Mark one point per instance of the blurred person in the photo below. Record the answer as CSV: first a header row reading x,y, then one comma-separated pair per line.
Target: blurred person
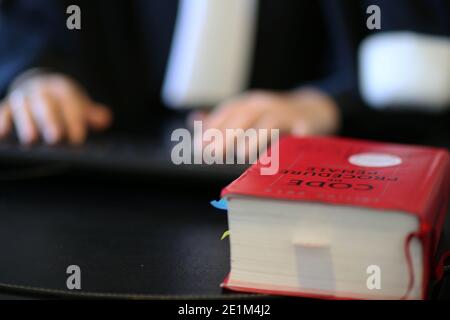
x,y
58,84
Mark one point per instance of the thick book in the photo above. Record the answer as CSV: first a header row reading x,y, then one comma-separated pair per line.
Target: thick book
x,y
341,219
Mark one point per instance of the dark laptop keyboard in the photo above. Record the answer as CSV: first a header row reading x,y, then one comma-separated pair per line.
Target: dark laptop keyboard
x,y
114,152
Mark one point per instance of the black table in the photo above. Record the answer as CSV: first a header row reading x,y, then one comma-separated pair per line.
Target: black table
x,y
129,235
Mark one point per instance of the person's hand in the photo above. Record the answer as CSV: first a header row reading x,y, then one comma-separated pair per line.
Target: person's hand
x,y
52,107
302,112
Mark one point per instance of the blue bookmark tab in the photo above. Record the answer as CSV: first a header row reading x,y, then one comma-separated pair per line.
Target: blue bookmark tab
x,y
221,204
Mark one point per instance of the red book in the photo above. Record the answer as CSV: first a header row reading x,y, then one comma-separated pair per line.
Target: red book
x,y
342,218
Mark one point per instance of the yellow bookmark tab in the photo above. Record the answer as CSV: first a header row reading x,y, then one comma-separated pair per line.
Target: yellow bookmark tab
x,y
225,234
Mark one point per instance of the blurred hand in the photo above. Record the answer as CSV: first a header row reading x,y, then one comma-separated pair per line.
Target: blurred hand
x,y
52,107
302,112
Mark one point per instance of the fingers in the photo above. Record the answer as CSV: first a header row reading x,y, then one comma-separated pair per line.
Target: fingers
x,y
243,117
301,128
267,122
5,120
74,106
221,114
80,113
52,106
40,113
76,130
47,116
195,116
242,113
23,118
98,116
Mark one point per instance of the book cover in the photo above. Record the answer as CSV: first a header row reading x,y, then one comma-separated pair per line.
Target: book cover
x,y
342,171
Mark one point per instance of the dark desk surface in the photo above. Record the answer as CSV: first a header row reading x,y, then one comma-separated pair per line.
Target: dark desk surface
x,y
140,236
129,236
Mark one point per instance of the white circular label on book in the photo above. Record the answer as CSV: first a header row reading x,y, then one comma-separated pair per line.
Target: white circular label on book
x,y
370,159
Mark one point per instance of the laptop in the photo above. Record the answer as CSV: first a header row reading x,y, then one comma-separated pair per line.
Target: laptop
x,y
147,153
